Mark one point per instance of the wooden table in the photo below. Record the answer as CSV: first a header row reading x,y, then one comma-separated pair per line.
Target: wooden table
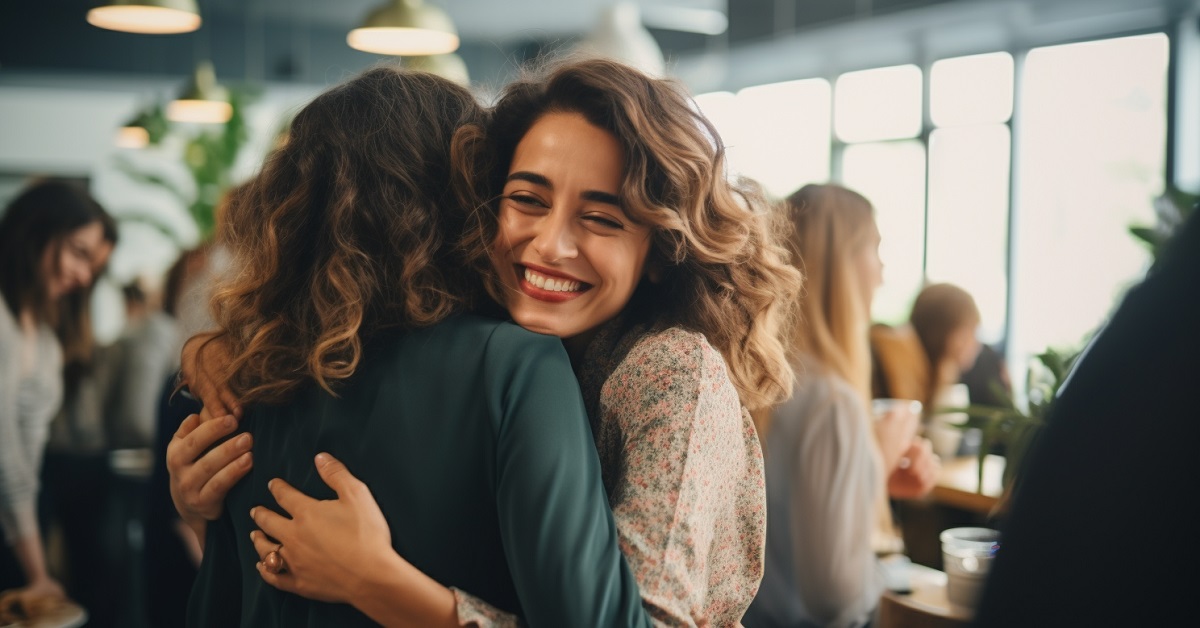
x,y
958,484
926,607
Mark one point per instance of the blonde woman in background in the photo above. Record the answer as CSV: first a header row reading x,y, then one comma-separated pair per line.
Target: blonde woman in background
x,y
830,466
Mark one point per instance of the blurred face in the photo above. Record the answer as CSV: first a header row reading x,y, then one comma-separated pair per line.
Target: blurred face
x,y
963,346
74,261
567,255
868,266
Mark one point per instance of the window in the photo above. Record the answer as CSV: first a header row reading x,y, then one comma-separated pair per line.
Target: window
x,y
786,133
1091,159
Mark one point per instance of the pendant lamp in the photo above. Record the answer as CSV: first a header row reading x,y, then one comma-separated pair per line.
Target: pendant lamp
x,y
405,27
155,17
203,100
147,127
620,35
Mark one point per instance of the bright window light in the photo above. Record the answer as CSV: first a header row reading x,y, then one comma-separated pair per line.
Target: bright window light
x,y
967,238
879,104
892,176
786,134
971,90
1091,159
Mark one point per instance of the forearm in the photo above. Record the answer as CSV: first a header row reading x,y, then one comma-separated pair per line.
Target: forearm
x,y
398,594
31,557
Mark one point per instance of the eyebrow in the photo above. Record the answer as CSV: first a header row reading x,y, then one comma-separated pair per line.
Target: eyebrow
x,y
590,195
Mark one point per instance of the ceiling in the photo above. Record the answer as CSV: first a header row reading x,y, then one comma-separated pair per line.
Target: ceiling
x,y
303,41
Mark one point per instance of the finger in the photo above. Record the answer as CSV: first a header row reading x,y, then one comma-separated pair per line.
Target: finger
x,y
271,523
192,438
190,423
262,544
281,581
290,499
222,455
337,476
231,403
224,478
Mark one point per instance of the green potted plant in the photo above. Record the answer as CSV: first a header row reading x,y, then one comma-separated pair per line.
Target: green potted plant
x,y
1008,427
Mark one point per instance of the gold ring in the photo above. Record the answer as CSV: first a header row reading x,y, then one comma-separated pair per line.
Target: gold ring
x,y
273,562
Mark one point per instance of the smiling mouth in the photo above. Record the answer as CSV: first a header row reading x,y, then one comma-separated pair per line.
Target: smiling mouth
x,y
546,287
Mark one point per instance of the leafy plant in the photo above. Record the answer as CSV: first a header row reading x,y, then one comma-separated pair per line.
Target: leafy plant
x,y
1011,428
1171,210
209,155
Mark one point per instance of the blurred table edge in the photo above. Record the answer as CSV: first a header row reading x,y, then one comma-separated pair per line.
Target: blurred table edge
x,y
68,615
958,483
928,600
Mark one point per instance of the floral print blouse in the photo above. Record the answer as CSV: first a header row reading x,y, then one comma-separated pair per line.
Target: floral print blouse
x,y
683,469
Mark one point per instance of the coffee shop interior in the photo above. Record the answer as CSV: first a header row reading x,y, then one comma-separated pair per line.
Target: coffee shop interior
x,y
1026,161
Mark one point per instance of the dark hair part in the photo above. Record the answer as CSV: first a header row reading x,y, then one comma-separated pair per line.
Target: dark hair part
x,y
350,229
716,245
41,217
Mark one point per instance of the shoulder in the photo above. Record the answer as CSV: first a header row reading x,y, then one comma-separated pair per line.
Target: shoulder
x,y
821,403
672,373
675,352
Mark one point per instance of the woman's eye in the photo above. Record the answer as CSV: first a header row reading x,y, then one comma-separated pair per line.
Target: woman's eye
x,y
526,199
604,221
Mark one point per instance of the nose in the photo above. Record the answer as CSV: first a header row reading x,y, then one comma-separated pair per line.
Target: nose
x,y
555,238
82,277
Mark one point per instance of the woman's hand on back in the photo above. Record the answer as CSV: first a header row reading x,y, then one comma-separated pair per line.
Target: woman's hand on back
x,y
201,473
325,544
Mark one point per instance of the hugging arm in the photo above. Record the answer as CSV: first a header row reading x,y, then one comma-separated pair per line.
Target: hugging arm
x,y
558,534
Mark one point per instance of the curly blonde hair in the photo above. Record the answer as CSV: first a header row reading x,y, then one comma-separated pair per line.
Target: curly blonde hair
x,y
349,230
723,270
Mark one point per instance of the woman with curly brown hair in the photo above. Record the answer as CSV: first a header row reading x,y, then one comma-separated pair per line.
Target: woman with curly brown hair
x,y
347,333
614,228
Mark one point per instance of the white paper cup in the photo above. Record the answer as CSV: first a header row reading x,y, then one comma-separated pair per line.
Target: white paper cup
x,y
883,406
967,555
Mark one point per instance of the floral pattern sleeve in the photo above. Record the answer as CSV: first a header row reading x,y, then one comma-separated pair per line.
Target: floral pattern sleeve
x,y
473,611
684,473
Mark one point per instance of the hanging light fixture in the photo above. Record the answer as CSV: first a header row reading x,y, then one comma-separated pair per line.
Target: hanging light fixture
x,y
203,100
620,35
154,17
147,127
405,27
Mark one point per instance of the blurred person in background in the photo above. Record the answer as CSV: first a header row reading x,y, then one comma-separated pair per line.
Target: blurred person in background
x,y
830,466
946,321
55,239
1097,531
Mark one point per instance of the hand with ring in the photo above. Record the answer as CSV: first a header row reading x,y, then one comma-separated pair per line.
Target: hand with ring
x,y
321,550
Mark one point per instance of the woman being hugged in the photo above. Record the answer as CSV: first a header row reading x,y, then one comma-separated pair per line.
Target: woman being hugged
x,y
612,227
668,370
54,240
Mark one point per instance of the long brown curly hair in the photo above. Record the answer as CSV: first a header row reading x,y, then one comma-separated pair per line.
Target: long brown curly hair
x,y
724,271
350,229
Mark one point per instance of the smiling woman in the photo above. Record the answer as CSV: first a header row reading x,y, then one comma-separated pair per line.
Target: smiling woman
x,y
567,254
54,240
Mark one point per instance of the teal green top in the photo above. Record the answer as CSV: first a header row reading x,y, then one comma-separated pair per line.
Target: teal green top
x,y
473,438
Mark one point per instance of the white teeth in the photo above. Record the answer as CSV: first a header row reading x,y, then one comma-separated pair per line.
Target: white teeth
x,y
551,285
